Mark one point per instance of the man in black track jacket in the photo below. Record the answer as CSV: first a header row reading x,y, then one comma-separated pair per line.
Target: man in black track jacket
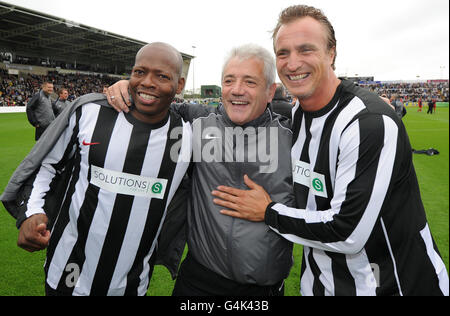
x,y
227,256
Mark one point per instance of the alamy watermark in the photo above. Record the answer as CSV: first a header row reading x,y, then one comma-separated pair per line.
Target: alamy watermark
x,y
73,276
231,144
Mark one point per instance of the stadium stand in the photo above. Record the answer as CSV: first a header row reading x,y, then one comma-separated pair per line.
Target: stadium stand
x,y
17,90
35,46
412,91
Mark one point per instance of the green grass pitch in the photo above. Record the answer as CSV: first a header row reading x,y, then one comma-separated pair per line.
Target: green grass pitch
x,y
21,273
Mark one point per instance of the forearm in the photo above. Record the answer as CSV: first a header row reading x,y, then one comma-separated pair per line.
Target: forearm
x,y
363,178
317,229
190,112
60,153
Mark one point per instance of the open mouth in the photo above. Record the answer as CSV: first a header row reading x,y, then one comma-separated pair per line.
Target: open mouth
x,y
146,99
146,96
239,103
298,77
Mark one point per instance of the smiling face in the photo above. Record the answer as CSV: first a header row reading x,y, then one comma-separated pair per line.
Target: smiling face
x,y
154,82
304,62
245,93
63,94
47,87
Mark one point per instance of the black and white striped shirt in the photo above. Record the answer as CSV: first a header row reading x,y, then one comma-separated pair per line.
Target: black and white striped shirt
x,y
123,175
359,211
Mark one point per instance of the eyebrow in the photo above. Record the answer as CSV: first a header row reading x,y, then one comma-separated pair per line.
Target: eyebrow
x,y
298,48
245,77
306,46
150,69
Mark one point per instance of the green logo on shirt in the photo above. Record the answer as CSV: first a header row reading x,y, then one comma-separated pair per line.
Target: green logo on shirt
x,y
157,188
318,185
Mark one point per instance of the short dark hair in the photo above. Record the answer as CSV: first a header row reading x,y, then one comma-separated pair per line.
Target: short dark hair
x,y
61,90
295,12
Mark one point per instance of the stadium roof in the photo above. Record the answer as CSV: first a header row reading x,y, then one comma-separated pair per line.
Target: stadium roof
x,y
33,34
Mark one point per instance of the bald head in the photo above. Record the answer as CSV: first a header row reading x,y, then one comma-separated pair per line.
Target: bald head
x,y
173,55
155,80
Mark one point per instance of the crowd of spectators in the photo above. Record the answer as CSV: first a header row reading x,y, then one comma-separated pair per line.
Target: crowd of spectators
x,y
18,90
413,91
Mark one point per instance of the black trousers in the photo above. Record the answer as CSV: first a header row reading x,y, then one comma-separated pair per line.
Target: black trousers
x,y
196,280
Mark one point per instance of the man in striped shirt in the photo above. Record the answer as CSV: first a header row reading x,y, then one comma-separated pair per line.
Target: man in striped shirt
x,y
121,175
359,213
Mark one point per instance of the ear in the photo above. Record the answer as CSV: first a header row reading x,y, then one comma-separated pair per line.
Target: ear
x,y
332,54
181,84
271,92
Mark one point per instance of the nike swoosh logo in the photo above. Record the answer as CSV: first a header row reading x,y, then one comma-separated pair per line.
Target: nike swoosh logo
x,y
89,144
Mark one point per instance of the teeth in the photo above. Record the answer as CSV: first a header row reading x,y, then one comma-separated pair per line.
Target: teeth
x,y
238,103
147,96
299,77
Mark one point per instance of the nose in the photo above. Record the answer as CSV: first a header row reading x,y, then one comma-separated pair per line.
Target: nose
x,y
294,63
238,88
148,81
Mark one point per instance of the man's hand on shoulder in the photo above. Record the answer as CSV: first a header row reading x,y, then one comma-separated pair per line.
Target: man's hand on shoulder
x,y
118,96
